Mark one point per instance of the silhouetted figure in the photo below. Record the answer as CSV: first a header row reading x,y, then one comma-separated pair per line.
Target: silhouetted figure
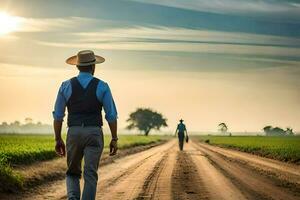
x,y
182,133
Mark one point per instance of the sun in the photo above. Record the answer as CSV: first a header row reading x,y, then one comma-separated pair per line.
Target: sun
x,y
8,23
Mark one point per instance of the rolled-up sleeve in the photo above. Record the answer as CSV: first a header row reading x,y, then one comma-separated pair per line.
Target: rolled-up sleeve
x,y
60,105
109,106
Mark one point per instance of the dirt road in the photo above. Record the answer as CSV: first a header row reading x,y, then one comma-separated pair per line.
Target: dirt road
x,y
199,172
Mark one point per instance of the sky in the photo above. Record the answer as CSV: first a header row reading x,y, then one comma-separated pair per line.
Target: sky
x,y
206,61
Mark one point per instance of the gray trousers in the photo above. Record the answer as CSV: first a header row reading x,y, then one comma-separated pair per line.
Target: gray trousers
x,y
83,143
181,140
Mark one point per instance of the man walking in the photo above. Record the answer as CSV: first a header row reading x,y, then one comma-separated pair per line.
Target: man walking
x,y
84,96
181,130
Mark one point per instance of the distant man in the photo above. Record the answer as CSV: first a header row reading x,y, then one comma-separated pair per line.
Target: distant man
x,y
182,133
84,96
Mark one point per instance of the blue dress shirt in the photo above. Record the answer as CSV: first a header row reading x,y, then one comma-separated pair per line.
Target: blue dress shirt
x,y
103,94
181,128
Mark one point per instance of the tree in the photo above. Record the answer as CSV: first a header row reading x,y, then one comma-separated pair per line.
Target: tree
x,y
223,127
15,123
4,124
145,119
278,131
289,131
270,131
267,129
28,120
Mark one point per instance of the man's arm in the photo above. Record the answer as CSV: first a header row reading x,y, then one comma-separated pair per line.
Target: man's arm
x,y
58,115
60,145
186,131
111,115
57,125
113,126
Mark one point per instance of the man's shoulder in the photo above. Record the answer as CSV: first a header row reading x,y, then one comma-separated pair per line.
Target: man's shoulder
x,y
102,84
181,125
101,81
65,84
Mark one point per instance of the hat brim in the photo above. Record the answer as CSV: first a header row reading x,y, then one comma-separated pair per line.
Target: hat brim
x,y
74,61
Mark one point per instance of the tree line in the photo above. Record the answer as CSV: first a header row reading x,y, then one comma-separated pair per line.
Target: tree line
x,y
142,119
276,131
268,130
28,127
145,120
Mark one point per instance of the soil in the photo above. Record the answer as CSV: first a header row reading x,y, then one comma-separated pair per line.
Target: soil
x,y
200,171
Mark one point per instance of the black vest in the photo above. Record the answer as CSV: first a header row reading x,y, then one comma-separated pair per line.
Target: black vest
x,y
84,108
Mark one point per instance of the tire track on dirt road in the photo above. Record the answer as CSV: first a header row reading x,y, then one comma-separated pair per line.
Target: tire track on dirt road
x,y
150,184
158,183
186,183
201,180
251,183
131,181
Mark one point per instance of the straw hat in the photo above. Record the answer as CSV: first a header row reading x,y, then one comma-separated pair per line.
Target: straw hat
x,y
85,58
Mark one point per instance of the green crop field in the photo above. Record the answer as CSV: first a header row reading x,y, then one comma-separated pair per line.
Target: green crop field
x,y
26,149
276,147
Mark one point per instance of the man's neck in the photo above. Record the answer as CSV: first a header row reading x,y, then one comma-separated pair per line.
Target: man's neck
x,y
85,74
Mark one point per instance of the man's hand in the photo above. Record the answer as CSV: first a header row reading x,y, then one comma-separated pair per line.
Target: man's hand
x,y
60,147
113,146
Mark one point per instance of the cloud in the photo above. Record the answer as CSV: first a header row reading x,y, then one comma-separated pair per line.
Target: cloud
x,y
139,33
72,32
185,47
48,24
183,40
66,24
285,9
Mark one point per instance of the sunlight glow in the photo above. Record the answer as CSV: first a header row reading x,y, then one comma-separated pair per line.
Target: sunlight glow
x,y
8,23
